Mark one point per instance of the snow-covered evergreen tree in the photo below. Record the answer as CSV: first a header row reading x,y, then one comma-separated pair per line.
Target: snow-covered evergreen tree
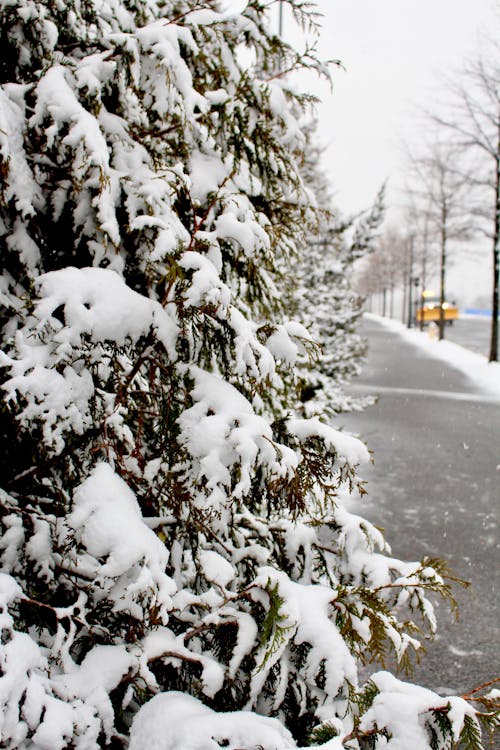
x,y
327,303
169,527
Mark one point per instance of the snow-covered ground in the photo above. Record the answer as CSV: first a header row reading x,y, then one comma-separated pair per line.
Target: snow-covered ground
x,y
483,374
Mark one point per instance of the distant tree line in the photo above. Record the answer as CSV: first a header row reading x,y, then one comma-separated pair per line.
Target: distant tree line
x,y
453,194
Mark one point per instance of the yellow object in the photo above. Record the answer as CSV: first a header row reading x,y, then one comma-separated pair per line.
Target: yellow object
x,y
429,311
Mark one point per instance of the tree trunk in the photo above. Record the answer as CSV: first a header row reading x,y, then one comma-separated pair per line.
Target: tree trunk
x,y
410,284
442,275
410,302
403,314
496,267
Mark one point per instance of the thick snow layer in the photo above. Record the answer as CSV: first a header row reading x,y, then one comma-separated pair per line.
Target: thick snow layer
x,y
102,669
307,619
484,375
175,721
23,187
401,708
120,550
221,430
97,302
216,568
347,446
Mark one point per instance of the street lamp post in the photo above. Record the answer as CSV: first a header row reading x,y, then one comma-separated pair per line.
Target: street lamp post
x,y
416,282
413,283
410,304
422,300
410,279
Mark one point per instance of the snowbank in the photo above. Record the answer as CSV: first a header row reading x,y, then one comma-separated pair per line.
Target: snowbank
x,y
484,375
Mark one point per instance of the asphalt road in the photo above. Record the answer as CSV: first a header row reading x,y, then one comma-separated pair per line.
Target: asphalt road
x,y
435,488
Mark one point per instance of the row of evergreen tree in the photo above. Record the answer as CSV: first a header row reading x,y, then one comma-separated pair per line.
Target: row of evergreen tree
x,y
172,507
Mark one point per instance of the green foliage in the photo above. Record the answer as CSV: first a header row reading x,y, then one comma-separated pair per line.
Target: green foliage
x,y
323,733
470,736
273,631
440,728
442,582
489,714
365,697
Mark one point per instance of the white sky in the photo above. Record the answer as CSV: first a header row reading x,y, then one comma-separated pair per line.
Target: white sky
x,y
396,53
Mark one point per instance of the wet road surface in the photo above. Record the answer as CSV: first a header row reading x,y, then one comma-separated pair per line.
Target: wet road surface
x,y
435,488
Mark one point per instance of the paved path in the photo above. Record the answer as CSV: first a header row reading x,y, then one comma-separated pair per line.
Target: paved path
x,y
435,488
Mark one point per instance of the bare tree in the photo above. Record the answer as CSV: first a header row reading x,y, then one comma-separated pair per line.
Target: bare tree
x,y
425,256
420,254
372,281
474,124
442,185
390,251
382,271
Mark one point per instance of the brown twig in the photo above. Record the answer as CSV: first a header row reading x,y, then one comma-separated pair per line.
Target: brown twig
x,y
485,685
200,5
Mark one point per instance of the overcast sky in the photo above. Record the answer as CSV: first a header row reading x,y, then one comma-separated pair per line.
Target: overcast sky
x,y
396,54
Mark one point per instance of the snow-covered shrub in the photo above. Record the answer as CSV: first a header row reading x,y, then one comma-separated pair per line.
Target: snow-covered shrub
x,y
171,526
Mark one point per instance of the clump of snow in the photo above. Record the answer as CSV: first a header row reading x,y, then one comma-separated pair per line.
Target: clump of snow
x,y
22,187
120,552
176,721
306,618
288,341
348,447
221,430
163,643
403,709
101,670
207,170
56,99
74,304
97,302
206,286
30,704
237,223
216,569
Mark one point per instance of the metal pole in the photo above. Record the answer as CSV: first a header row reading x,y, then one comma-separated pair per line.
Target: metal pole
x,y
403,310
410,304
422,289
442,274
416,281
410,283
280,22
